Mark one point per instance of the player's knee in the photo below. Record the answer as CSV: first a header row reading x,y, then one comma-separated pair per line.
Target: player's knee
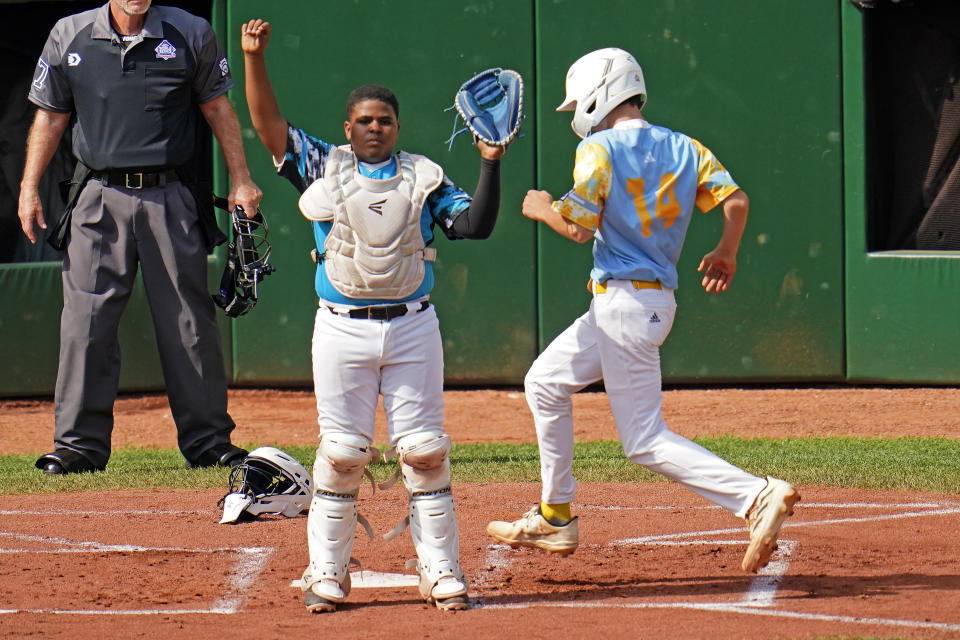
x,y
425,461
656,443
541,394
341,458
533,376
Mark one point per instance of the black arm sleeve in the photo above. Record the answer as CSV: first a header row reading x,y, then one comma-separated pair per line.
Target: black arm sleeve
x,y
478,220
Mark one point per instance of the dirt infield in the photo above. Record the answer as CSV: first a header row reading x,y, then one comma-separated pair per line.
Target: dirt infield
x,y
266,416
655,560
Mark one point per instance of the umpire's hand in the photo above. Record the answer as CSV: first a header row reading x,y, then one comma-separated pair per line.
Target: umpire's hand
x,y
246,194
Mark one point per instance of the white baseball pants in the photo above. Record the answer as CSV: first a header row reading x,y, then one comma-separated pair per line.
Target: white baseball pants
x,y
356,360
618,340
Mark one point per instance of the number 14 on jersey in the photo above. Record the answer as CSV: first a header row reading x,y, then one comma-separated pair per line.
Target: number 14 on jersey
x,y
666,207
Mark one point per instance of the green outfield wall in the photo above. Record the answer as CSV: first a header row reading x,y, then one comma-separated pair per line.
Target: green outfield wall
x,y
774,89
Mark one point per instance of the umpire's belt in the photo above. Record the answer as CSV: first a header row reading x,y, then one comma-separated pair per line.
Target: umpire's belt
x,y
388,312
135,179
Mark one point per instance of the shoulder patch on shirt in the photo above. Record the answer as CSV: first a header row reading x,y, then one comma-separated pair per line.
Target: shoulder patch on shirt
x,y
166,51
43,70
224,67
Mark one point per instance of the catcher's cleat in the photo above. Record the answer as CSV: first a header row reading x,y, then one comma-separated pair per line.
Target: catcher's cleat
x,y
533,530
765,518
324,595
448,594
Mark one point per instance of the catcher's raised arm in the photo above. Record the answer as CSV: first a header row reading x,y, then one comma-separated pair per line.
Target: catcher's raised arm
x,y
265,113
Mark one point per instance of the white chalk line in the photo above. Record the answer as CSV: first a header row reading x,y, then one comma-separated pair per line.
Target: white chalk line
x,y
110,612
248,568
763,588
727,608
249,565
497,558
101,512
789,525
758,598
74,546
760,595
805,505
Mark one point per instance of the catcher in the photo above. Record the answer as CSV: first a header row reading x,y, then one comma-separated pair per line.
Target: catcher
x,y
373,214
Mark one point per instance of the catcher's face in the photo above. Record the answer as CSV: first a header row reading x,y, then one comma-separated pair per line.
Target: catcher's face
x,y
372,130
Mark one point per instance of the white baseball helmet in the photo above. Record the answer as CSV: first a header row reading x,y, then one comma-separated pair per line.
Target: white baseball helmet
x,y
267,481
598,82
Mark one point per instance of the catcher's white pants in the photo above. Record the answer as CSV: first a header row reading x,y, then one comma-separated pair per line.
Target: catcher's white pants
x,y
618,340
356,360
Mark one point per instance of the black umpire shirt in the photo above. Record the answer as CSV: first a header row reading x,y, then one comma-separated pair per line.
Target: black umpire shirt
x,y
134,97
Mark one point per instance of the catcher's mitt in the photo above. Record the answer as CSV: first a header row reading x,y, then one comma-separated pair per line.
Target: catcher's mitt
x,y
491,107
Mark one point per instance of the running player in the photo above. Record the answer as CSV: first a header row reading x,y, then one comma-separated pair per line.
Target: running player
x,y
635,188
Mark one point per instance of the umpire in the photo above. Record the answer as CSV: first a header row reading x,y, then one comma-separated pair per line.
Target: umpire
x,y
130,79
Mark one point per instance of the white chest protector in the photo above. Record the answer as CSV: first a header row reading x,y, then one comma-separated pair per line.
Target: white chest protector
x,y
374,248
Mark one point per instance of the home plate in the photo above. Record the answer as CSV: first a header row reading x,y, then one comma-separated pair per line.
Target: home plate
x,y
375,579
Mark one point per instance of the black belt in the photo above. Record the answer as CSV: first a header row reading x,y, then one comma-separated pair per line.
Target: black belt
x,y
136,179
388,312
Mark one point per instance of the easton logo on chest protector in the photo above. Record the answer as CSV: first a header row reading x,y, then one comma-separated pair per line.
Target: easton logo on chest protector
x,y
380,256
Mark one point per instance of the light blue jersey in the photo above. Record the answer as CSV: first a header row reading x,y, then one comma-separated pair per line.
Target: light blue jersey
x,y
636,186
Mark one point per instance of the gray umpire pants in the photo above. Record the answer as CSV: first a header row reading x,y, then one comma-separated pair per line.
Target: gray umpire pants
x,y
113,230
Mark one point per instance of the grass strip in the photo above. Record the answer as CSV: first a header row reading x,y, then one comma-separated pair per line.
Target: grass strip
x,y
913,464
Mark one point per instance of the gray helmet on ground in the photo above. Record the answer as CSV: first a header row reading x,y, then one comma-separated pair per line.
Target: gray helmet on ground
x,y
268,480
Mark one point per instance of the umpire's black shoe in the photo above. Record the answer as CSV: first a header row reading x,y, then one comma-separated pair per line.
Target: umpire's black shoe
x,y
64,461
220,455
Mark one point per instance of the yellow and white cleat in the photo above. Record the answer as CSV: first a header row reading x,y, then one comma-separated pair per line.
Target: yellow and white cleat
x,y
765,518
533,530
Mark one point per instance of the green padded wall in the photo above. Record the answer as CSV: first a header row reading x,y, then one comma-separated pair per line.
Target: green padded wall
x,y
758,83
30,324
902,308
318,53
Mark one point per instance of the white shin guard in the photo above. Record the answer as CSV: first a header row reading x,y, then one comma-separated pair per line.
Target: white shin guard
x,y
433,527
425,465
331,531
332,523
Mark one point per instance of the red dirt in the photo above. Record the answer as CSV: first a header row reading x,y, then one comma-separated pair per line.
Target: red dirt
x,y
268,416
157,564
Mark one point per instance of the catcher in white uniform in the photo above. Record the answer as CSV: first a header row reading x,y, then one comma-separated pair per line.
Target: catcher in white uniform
x,y
635,188
373,213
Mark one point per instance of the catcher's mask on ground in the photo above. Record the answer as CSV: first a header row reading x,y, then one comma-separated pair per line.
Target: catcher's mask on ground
x,y
597,83
267,481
